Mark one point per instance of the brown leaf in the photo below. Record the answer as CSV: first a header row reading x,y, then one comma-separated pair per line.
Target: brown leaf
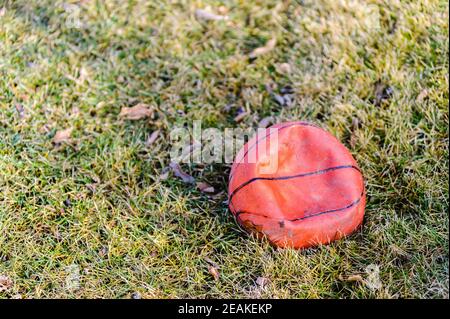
x,y
137,112
201,14
351,278
205,187
152,138
62,136
270,45
188,179
5,283
214,272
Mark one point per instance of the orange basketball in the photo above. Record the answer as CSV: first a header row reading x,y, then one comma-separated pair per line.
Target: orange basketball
x,y
297,185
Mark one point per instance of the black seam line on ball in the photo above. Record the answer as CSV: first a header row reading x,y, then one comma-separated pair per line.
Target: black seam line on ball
x,y
265,137
322,171
356,202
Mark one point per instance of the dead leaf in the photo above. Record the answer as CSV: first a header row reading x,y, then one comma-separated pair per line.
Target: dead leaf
x,y
188,179
137,112
422,95
262,282
214,272
62,136
265,122
351,278
205,187
5,283
206,15
270,45
152,138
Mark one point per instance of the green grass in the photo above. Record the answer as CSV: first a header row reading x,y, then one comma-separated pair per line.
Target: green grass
x,y
133,234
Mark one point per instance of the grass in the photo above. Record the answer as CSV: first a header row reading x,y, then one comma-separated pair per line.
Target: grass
x,y
93,219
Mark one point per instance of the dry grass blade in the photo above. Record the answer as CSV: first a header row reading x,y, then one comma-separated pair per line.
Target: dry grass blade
x,y
270,45
201,14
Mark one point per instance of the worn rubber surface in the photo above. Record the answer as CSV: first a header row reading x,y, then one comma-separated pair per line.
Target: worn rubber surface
x,y
314,196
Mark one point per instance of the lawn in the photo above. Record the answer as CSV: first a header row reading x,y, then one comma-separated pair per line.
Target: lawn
x,y
88,208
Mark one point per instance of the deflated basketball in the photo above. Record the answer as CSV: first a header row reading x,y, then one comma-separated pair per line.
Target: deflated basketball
x,y
297,185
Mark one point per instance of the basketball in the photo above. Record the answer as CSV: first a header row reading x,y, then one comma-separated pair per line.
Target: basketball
x,y
296,185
